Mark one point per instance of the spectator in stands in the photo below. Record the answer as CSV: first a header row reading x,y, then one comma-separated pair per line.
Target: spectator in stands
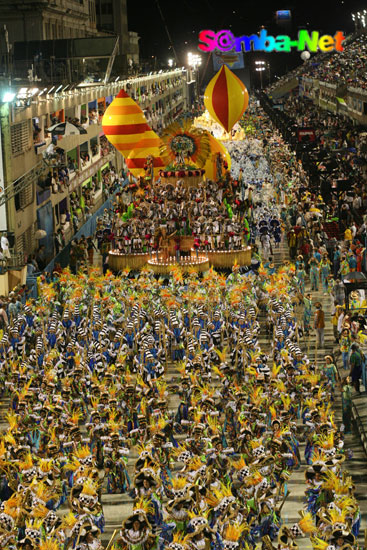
x,y
91,247
41,257
2,261
31,270
3,317
59,240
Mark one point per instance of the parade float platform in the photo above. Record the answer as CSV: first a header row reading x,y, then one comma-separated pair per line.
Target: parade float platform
x,y
219,259
225,259
119,262
163,267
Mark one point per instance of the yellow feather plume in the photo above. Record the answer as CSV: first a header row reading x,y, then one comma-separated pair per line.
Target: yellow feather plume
x,y
69,520
82,452
319,544
239,464
178,483
49,544
90,488
144,504
336,516
306,523
233,531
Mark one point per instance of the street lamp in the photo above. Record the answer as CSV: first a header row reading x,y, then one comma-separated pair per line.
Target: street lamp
x,y
170,62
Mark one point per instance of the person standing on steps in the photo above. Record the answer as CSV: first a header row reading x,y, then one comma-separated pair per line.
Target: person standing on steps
x,y
292,243
319,324
314,274
347,404
355,362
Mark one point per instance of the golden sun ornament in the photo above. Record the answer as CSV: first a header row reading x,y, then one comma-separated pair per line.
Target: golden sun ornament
x,y
183,144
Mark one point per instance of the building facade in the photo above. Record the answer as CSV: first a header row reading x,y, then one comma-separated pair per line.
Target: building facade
x,y
47,19
112,19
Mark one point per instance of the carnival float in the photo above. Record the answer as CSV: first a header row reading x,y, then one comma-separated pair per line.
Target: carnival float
x,y
183,159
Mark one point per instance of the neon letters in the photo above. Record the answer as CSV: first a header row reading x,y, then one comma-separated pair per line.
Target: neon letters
x,y
225,41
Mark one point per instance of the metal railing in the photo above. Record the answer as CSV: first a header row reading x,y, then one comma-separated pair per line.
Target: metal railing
x,y
16,261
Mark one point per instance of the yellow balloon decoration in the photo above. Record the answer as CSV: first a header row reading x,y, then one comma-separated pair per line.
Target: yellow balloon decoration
x,y
211,163
127,129
226,98
148,146
124,123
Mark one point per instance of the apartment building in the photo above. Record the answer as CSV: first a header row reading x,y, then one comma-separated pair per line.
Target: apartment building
x,y
50,183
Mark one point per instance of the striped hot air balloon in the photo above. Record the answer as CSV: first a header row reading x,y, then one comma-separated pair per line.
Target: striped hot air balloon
x,y
226,98
148,146
124,123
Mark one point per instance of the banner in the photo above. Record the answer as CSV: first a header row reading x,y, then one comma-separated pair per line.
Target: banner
x,y
233,60
305,135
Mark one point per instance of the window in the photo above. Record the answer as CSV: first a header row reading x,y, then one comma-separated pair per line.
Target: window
x,y
106,9
25,195
20,137
25,243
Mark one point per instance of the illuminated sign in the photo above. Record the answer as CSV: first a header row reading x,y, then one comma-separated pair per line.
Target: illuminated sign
x,y
225,41
283,15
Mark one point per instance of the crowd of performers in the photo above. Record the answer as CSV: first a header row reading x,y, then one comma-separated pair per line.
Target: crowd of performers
x,y
101,368
166,213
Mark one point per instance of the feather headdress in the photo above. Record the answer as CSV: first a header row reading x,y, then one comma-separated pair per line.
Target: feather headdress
x,y
233,531
143,505
306,523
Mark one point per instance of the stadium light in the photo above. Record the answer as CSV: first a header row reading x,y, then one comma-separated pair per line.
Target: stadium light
x,y
359,18
193,60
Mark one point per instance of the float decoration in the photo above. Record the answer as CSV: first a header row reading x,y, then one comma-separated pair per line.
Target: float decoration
x,y
124,123
145,157
226,98
184,147
211,166
127,129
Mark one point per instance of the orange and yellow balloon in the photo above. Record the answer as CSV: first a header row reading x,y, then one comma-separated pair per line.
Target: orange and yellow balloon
x,y
226,98
148,146
126,128
124,123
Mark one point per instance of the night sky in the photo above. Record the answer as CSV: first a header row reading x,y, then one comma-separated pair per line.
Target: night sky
x,y
185,18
